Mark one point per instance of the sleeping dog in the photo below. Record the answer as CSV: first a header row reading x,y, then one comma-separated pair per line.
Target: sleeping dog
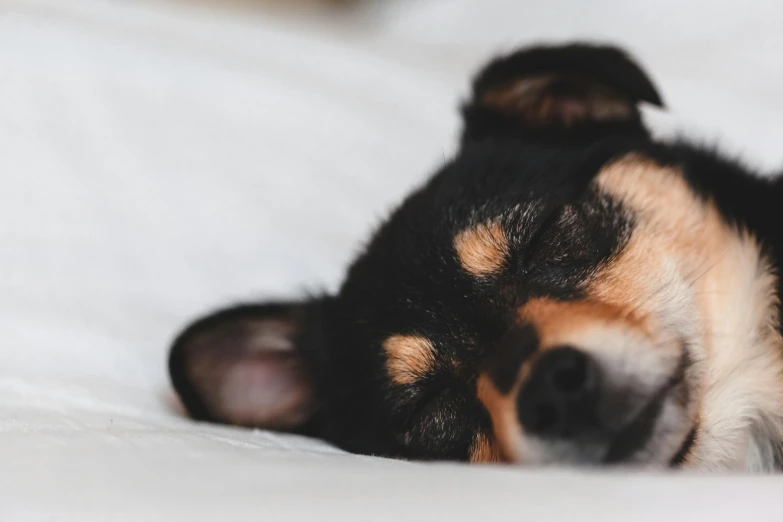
x,y
566,290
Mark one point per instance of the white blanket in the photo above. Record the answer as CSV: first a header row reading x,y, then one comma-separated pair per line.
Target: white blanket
x,y
158,160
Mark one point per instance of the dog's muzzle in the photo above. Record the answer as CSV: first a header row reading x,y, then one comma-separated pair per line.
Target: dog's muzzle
x,y
590,403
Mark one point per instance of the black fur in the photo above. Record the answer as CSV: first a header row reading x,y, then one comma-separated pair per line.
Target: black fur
x,y
502,364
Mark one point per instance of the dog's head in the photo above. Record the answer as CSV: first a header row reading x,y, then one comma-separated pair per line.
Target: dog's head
x,y
557,293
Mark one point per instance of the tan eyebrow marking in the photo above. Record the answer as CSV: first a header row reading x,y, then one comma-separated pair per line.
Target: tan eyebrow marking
x,y
482,249
408,358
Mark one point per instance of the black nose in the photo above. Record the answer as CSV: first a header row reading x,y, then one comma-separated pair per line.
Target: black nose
x,y
559,398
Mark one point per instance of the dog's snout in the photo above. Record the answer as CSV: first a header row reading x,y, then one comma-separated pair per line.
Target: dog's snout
x,y
559,398
581,382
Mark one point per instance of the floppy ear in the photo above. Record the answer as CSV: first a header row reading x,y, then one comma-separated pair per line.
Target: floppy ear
x,y
558,90
245,365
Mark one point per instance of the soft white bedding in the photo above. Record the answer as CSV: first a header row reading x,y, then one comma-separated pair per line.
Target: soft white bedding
x,y
160,159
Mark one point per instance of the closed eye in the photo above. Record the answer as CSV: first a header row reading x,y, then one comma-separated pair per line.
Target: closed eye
x,y
537,246
442,426
433,391
565,243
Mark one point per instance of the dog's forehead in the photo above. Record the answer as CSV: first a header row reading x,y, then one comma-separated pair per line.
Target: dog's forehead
x,y
488,178
420,269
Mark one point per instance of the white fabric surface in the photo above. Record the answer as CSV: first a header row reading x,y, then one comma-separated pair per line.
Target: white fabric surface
x,y
161,159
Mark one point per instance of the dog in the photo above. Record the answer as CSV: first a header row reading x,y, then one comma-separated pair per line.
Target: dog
x,y
567,290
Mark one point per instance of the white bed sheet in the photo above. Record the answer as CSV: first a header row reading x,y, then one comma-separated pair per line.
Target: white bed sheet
x,y
160,159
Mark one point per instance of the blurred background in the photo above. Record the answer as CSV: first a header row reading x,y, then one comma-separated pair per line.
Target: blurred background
x,y
161,158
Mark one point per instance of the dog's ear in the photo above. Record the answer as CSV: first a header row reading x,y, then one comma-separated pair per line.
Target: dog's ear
x,y
558,89
245,365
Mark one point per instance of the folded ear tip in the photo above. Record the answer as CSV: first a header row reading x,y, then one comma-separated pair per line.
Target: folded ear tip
x,y
591,64
621,70
649,94
656,99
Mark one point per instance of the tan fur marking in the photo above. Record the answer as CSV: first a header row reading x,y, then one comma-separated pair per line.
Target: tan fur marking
x,y
482,250
557,321
675,231
484,450
408,358
503,414
709,282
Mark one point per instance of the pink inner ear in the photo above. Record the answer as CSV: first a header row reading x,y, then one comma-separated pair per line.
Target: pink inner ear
x,y
272,335
268,391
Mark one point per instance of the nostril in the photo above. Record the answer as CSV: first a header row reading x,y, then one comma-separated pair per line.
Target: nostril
x,y
570,372
558,398
544,416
